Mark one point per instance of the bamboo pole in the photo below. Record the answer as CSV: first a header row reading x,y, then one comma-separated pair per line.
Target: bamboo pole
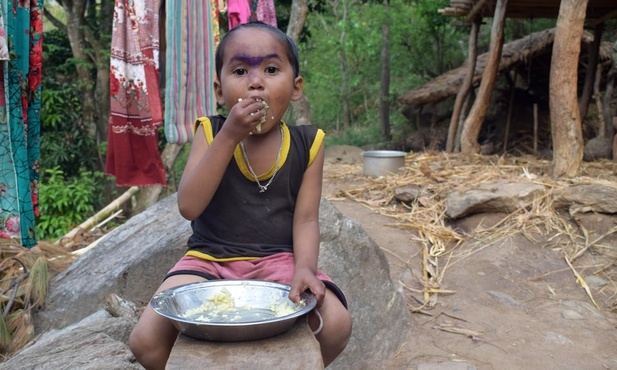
x,y
69,239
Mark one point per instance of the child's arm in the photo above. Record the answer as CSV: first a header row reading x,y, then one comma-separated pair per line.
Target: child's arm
x,y
306,233
207,163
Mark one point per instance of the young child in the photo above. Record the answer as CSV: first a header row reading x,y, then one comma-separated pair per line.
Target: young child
x,y
251,188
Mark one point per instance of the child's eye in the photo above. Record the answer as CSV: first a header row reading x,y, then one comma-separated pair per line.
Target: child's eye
x,y
239,71
271,70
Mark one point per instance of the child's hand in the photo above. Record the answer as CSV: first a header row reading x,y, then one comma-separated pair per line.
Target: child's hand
x,y
245,116
305,279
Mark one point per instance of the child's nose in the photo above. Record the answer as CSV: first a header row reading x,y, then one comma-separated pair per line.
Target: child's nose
x,y
255,80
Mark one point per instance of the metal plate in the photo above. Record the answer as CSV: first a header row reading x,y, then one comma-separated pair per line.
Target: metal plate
x,y
231,310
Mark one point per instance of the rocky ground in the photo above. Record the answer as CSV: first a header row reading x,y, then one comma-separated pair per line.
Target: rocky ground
x,y
507,302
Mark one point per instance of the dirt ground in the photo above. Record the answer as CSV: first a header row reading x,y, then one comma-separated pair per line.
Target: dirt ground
x,y
510,303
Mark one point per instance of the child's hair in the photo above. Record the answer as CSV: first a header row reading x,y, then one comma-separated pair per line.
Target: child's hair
x,y
290,45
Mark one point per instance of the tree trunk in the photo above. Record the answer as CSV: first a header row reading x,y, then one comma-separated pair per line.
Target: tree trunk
x,y
148,195
465,87
89,49
565,115
473,123
344,89
384,100
297,17
592,63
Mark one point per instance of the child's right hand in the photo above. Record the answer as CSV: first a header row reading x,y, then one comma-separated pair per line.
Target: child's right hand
x,y
243,118
304,279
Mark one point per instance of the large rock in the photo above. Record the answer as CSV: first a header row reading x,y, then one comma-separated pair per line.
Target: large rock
x,y
586,198
492,197
95,343
132,260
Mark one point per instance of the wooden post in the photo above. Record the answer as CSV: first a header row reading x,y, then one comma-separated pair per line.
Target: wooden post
x,y
510,108
535,128
565,115
466,86
473,123
591,71
608,95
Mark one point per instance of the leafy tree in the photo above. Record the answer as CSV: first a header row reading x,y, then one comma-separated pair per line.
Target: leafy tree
x,y
341,60
88,27
66,142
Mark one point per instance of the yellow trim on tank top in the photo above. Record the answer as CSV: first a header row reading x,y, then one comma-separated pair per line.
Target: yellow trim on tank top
x,y
319,138
207,257
317,143
264,176
207,126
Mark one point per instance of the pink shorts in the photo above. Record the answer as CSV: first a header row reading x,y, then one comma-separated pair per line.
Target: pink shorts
x,y
277,268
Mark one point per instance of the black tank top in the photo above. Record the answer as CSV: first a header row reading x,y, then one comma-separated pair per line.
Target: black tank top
x,y
242,223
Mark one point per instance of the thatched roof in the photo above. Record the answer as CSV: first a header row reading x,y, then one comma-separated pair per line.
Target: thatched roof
x,y
513,53
596,9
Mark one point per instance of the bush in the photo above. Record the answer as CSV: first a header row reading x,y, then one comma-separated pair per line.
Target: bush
x,y
66,203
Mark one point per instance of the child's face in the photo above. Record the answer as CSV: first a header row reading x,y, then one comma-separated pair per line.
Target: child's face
x,y
255,65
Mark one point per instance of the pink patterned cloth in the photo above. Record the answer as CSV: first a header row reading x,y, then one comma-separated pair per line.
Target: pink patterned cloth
x,y
238,12
136,113
266,12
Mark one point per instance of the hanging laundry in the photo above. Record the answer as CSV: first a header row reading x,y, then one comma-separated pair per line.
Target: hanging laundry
x,y
192,33
133,156
263,11
20,120
238,12
4,46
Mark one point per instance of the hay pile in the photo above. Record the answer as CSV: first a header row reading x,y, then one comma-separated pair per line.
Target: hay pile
x,y
24,280
440,174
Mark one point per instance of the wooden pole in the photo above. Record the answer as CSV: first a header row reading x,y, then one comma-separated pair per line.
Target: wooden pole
x,y
565,115
510,108
465,87
473,123
535,128
590,74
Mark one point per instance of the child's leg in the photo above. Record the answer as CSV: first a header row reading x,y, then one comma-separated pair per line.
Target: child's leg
x,y
153,336
336,329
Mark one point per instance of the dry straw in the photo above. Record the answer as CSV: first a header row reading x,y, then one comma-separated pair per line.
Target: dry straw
x,y
439,174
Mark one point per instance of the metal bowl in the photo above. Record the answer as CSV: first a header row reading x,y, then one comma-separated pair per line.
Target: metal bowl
x,y
231,310
383,162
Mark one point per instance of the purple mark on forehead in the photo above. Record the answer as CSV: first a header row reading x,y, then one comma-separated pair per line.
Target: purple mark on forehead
x,y
253,61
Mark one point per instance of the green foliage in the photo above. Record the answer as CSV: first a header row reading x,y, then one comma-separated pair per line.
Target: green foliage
x,y
70,189
65,203
341,60
65,141
357,136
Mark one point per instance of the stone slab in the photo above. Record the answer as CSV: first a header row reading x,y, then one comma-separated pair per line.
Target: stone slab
x,y
296,349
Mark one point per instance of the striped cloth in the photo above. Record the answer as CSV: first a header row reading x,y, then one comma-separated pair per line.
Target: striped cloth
x,y
192,33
